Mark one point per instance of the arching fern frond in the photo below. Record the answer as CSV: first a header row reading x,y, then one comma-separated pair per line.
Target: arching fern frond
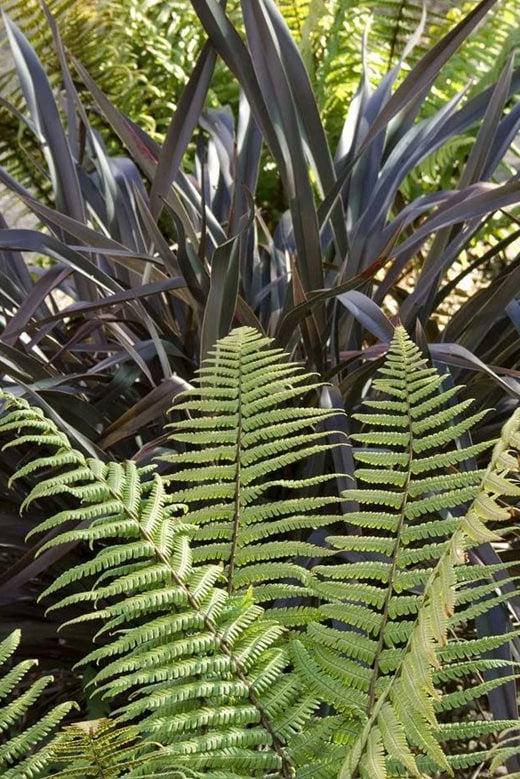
x,y
201,670
23,750
384,670
245,432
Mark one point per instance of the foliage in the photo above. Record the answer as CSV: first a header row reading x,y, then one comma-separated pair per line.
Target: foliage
x,y
230,711
94,748
80,22
140,263
390,27
149,325
21,754
141,54
204,681
389,679
240,437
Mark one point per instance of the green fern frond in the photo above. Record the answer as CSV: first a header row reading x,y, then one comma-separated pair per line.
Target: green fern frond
x,y
23,750
337,46
244,515
203,672
384,669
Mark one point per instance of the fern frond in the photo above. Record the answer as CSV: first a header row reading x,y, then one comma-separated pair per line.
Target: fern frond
x,y
384,670
24,752
181,650
185,654
237,500
95,748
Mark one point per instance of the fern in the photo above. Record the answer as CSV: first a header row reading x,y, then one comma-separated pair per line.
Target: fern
x,y
142,53
383,669
201,681
23,752
80,23
391,23
92,749
202,670
242,433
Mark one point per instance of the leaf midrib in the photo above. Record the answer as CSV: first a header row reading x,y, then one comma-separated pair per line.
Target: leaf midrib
x,y
237,499
397,546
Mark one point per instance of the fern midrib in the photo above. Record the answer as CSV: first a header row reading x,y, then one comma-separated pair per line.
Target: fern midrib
x,y
287,769
238,492
97,763
397,546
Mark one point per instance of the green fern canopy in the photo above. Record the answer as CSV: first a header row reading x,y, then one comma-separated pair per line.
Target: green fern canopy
x,y
229,643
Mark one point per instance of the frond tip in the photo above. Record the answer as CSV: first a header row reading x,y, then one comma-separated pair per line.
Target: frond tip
x,y
247,425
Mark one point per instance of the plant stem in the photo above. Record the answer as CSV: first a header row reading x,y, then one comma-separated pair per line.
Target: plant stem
x,y
395,552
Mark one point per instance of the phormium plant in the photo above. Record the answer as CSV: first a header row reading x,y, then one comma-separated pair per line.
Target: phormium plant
x,y
263,564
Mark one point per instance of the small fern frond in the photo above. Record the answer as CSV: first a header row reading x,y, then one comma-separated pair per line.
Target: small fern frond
x,y
94,748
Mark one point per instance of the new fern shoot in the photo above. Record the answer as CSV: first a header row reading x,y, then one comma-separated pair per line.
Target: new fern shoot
x,y
231,641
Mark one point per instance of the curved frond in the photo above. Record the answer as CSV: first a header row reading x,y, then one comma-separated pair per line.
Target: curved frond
x,y
202,671
385,669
